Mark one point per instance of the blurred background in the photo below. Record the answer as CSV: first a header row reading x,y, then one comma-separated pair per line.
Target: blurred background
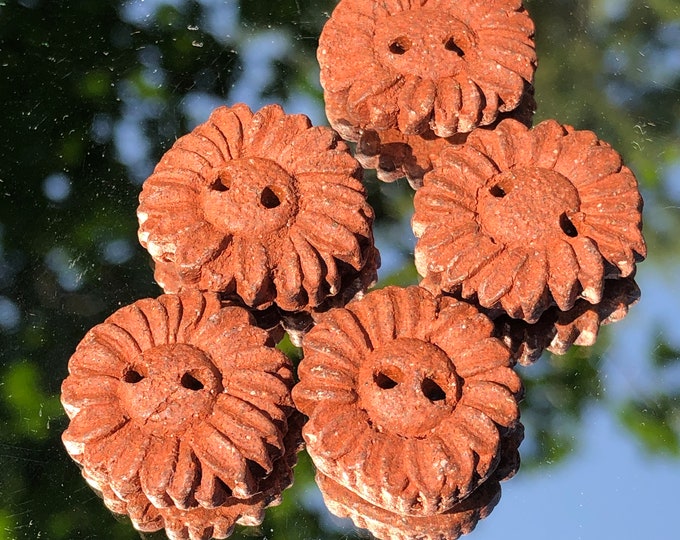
x,y
93,92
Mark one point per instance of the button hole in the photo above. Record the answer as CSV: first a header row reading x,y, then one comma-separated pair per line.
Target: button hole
x,y
384,381
190,382
450,45
269,199
388,377
132,376
432,391
497,191
400,45
567,226
221,183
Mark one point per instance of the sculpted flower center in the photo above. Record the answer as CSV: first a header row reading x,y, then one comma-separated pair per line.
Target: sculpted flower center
x,y
169,388
250,196
424,43
408,387
523,205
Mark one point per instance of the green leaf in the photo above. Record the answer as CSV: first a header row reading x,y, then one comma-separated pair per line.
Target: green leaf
x,y
655,423
665,355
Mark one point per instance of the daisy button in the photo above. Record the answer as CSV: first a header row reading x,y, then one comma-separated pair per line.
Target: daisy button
x,y
409,400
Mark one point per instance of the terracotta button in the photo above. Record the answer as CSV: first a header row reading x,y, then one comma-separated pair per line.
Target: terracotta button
x,y
509,462
385,525
408,397
180,404
448,66
262,206
521,219
556,331
204,523
195,524
394,155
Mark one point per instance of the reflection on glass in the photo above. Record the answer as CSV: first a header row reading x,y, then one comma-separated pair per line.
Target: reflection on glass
x,y
95,93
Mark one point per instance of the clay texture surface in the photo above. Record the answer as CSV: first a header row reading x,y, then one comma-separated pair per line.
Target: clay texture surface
x,y
395,155
202,523
445,65
521,220
408,397
262,206
385,525
556,331
179,408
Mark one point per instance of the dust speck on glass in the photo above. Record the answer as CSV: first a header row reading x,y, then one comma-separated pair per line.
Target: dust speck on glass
x,y
96,93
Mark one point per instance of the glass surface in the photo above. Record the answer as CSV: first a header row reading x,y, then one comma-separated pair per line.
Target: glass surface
x,y
94,92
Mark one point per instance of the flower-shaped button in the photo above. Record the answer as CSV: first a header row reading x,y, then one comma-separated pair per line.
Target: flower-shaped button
x,y
178,403
556,331
201,523
522,219
263,206
447,65
386,525
408,398
395,155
